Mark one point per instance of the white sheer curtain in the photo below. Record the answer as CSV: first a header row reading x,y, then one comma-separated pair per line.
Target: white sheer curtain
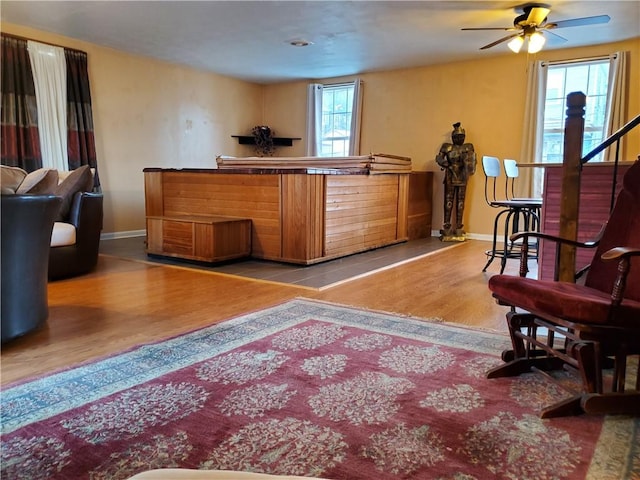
x,y
616,98
50,78
531,150
314,119
356,118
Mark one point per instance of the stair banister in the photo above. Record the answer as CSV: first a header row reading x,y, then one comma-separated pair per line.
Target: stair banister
x,y
572,168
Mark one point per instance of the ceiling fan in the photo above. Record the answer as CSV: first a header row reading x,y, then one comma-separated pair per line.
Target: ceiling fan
x,y
533,23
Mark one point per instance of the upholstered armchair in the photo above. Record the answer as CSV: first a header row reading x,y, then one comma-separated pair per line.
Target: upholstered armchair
x,y
27,222
76,241
75,238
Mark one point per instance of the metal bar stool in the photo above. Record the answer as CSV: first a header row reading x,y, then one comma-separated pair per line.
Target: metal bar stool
x,y
517,214
511,174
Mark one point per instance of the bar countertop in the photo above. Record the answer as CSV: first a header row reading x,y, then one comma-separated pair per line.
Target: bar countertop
x,y
267,171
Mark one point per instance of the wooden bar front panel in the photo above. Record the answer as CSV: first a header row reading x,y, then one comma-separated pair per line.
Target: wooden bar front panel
x,y
202,238
296,217
178,238
236,195
361,213
402,215
595,201
302,217
420,205
153,194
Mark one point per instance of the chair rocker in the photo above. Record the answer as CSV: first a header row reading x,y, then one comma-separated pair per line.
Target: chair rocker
x,y
592,326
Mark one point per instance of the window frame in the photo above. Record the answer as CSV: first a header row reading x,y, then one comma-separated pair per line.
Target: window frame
x,y
591,107
342,110
321,136
533,137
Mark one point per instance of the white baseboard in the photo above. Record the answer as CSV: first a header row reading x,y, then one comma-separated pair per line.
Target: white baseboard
x,y
128,234
480,236
471,236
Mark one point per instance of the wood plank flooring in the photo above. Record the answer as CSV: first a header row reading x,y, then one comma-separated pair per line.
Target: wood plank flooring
x,y
318,276
126,303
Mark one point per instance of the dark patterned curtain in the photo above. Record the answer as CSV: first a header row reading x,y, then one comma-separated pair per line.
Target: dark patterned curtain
x,y
20,144
81,143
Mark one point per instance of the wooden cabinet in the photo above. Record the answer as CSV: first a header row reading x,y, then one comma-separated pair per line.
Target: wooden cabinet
x,y
202,238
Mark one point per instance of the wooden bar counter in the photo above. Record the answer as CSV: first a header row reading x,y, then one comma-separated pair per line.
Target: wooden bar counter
x,y
298,215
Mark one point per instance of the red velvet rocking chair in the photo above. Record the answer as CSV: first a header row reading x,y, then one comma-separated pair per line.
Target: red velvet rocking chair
x,y
593,326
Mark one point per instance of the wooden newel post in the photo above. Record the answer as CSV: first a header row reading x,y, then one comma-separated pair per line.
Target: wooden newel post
x,y
570,198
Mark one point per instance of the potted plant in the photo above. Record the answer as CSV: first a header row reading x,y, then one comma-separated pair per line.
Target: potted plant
x,y
263,137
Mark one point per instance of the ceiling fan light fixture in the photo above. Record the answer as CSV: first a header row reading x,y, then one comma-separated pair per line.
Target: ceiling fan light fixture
x,y
536,42
516,44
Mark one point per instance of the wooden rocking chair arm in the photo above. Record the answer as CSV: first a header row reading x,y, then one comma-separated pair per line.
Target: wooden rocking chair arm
x,y
524,249
553,238
618,252
623,255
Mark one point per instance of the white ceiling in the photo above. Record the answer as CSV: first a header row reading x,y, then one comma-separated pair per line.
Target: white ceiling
x,y
250,40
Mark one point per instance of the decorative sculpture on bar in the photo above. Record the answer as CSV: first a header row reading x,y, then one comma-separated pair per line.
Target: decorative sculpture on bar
x,y
458,160
263,138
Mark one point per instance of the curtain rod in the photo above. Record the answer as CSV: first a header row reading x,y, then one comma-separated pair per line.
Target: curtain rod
x,y
579,60
10,35
343,84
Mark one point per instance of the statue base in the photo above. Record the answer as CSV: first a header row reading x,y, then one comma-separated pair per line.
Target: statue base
x,y
451,235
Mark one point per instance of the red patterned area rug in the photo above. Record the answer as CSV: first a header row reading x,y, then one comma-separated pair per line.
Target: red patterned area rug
x,y
313,389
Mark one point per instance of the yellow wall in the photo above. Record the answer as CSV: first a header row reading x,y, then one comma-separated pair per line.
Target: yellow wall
x,y
149,113
410,112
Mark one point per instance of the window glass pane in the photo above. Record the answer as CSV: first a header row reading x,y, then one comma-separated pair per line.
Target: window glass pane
x,y
339,100
591,78
577,79
336,120
552,148
553,114
327,101
555,83
593,86
595,113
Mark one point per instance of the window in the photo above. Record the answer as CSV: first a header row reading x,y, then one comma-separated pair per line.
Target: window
x,y
333,119
337,106
602,80
47,118
588,77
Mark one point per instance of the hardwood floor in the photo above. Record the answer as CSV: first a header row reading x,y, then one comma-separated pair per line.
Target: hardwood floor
x,y
126,303
318,276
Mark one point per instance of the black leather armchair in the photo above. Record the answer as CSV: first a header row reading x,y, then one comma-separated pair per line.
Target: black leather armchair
x,y
27,222
70,260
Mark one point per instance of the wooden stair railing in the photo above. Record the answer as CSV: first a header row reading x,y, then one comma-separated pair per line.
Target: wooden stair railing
x,y
572,168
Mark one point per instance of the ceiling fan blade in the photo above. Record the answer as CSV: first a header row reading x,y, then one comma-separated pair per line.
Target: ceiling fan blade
x,y
492,28
554,36
578,22
503,39
537,15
